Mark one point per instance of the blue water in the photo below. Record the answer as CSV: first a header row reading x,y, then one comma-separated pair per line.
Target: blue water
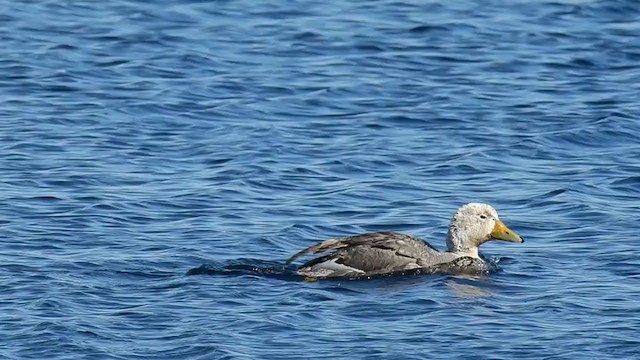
x,y
141,140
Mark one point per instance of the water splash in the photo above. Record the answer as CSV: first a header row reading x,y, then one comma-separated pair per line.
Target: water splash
x,y
245,266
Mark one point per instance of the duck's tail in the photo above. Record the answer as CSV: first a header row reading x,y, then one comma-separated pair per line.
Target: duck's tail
x,y
319,247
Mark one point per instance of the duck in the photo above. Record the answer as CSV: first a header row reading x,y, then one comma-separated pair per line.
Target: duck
x,y
380,253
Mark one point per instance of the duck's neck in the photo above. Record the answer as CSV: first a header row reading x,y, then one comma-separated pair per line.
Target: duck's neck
x,y
460,244
470,252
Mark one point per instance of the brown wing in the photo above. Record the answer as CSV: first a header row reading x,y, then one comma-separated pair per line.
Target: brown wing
x,y
400,244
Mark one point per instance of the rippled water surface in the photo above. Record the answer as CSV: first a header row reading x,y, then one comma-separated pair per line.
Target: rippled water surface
x,y
141,142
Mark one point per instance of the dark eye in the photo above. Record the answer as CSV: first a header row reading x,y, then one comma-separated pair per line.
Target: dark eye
x,y
483,216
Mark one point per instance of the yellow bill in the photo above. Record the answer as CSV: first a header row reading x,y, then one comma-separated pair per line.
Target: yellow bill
x,y
502,232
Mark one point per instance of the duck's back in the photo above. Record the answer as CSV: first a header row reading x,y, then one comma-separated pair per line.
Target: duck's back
x,y
371,254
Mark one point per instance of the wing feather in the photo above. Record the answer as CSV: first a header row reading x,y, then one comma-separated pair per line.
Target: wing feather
x,y
401,244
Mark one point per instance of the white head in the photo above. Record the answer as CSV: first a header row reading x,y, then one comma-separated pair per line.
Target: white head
x,y
472,225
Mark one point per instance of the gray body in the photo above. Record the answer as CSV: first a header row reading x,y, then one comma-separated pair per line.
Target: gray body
x,y
371,254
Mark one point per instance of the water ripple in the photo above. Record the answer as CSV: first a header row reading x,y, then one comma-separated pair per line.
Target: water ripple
x,y
142,140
